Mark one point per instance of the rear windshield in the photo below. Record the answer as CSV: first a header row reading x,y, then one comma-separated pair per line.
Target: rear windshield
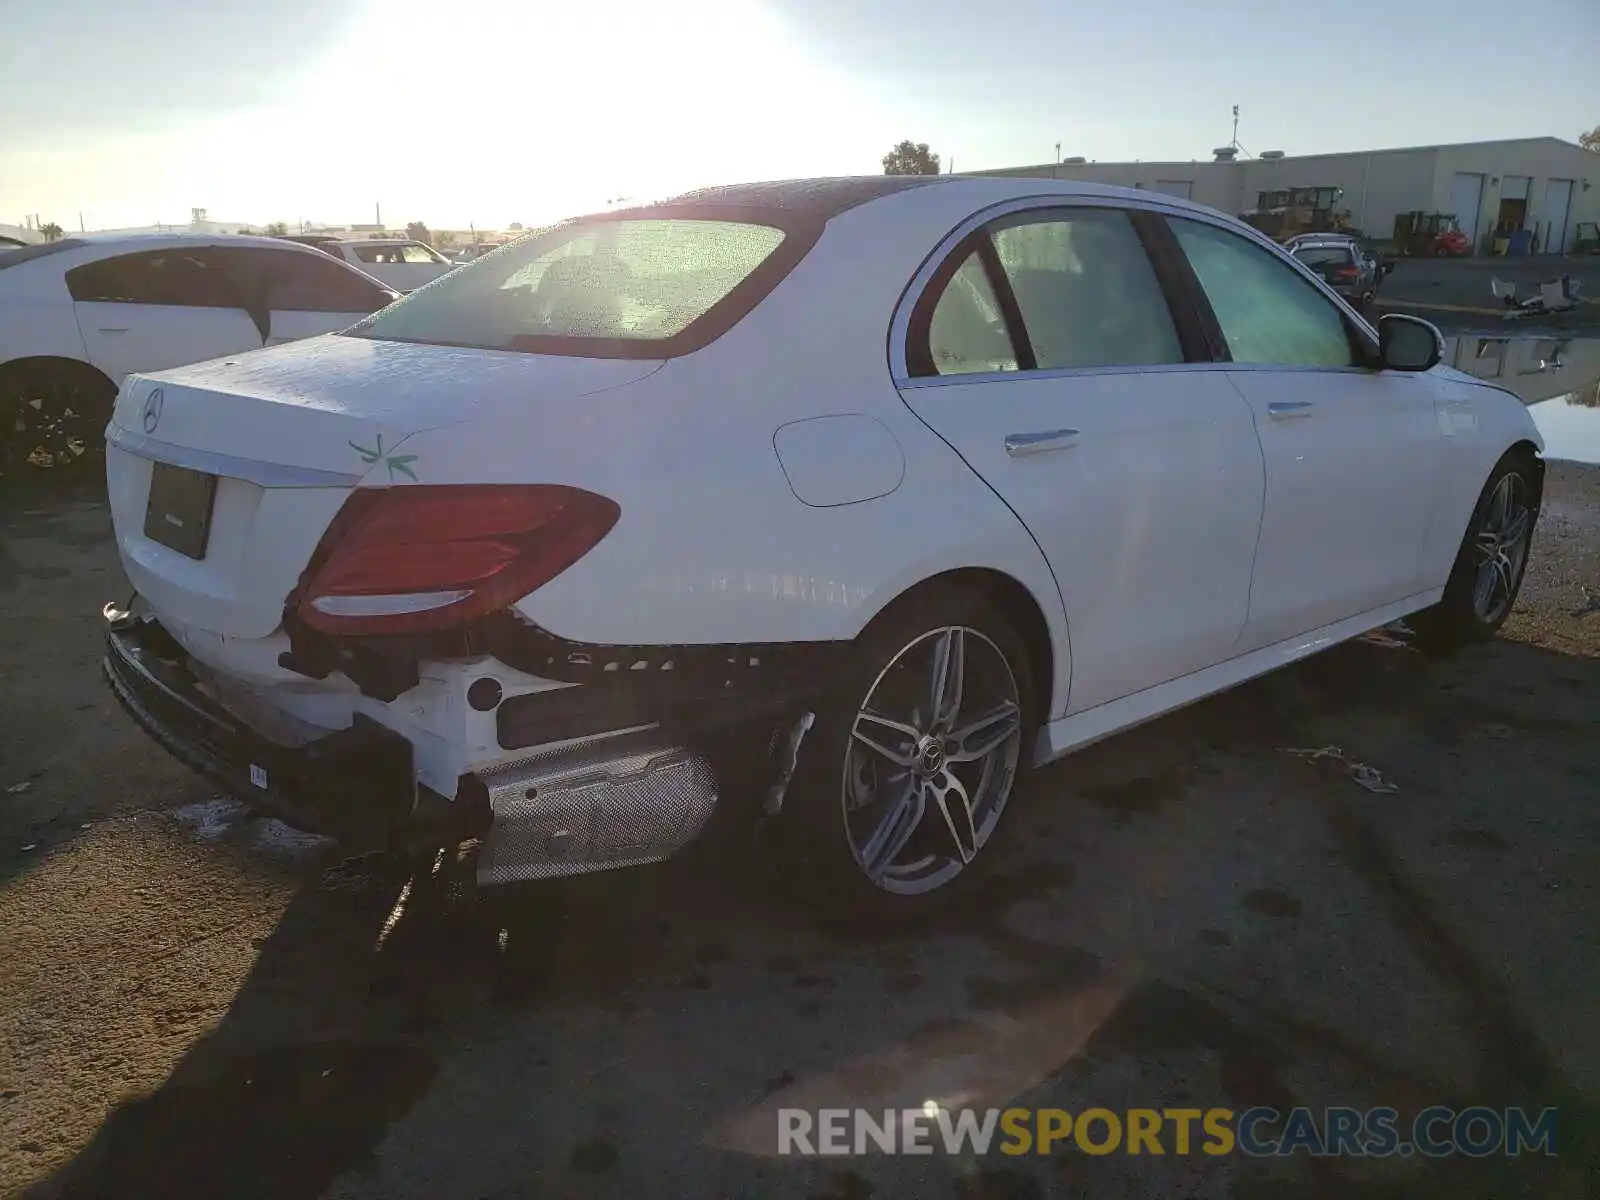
x,y
645,287
1322,256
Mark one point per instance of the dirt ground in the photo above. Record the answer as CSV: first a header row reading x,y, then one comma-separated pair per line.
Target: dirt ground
x,y
194,1002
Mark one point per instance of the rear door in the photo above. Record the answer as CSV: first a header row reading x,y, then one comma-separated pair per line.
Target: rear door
x,y
1351,451
1045,349
159,308
305,293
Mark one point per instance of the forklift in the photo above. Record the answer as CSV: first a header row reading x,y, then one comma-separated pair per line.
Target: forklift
x,y
1431,235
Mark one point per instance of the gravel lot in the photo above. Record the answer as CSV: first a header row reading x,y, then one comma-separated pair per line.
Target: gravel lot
x,y
197,1003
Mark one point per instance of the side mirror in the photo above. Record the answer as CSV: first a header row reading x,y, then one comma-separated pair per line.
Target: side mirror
x,y
1408,343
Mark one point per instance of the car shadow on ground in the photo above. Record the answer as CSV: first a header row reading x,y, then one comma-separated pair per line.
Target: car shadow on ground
x,y
376,980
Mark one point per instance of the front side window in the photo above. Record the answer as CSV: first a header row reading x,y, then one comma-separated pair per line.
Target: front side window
x,y
418,253
620,288
189,278
379,255
1268,313
1088,294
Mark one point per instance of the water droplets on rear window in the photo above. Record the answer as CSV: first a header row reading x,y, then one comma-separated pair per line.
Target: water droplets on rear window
x,y
636,280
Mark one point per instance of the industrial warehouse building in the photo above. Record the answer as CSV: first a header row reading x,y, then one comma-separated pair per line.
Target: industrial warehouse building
x,y
1543,185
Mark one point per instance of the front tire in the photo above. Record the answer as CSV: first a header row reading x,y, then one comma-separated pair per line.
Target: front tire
x,y
905,779
1489,567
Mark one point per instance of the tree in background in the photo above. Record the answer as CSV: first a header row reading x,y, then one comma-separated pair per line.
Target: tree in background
x,y
911,158
515,227
447,240
50,231
418,232
276,229
1590,140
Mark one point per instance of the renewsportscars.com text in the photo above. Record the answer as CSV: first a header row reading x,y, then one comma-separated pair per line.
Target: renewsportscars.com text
x,y
1434,1132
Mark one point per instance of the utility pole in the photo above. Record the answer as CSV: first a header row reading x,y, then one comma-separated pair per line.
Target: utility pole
x,y
81,229
1235,142
377,214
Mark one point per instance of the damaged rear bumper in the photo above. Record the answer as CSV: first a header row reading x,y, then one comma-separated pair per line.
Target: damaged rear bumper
x,y
357,785
630,783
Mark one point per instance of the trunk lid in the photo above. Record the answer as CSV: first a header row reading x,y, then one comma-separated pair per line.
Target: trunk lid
x,y
288,432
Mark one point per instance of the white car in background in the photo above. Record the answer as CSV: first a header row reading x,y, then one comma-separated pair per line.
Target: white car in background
x,y
906,484
469,254
403,264
79,314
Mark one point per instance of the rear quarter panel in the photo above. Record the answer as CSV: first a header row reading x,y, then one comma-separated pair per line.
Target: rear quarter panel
x,y
36,318
713,545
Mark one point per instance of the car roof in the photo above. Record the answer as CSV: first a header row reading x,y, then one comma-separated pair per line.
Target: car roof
x,y
823,198
817,198
1324,244
378,242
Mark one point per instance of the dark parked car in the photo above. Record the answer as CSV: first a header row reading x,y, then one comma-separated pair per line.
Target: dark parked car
x,y
1347,267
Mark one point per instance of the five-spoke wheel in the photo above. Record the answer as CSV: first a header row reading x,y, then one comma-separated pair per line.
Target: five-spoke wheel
x,y
910,768
1488,570
931,760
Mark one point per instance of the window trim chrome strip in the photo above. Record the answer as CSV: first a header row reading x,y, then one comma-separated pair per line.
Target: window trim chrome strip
x,y
271,475
900,325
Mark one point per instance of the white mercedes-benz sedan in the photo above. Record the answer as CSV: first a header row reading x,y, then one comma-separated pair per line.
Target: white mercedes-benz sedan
x,y
900,486
78,315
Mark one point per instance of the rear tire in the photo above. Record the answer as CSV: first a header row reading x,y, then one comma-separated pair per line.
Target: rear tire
x,y
52,418
902,787
1491,563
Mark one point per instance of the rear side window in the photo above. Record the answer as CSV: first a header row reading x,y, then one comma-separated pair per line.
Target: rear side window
x,y
967,333
1088,294
189,278
645,287
293,281
418,253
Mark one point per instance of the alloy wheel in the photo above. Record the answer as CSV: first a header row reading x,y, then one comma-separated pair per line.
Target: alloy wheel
x,y
1501,548
49,425
931,760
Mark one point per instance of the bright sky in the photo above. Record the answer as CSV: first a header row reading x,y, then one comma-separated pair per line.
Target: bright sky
x,y
493,111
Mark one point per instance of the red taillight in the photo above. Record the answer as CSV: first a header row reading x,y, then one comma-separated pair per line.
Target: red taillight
x,y
1343,273
418,559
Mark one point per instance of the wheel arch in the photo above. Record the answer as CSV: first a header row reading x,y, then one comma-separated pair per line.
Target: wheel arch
x,y
1525,448
1013,600
21,368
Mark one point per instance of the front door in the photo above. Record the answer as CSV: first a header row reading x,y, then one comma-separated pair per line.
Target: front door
x,y
1043,350
159,309
1351,452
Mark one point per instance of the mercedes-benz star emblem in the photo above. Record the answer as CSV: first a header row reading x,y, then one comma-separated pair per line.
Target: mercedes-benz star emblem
x,y
152,409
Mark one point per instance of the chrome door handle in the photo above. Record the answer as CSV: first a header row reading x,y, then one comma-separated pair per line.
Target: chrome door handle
x,y
1290,408
106,329
1019,445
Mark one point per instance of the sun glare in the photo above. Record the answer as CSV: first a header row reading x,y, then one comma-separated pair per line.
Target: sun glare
x,y
531,112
